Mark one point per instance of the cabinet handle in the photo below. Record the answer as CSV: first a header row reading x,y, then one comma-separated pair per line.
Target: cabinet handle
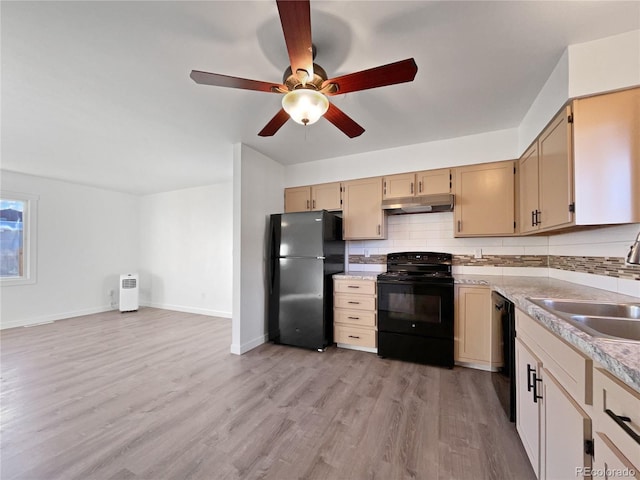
x,y
378,229
353,336
420,186
384,188
307,204
536,397
533,218
314,204
412,188
353,286
353,318
538,221
529,371
620,420
354,303
459,225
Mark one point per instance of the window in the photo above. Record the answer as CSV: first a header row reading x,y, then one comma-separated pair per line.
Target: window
x,y
18,214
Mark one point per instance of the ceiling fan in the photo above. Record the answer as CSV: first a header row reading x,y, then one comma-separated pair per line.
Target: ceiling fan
x,y
305,84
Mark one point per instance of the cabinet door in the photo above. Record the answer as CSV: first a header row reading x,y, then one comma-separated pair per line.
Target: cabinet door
x,y
607,158
484,204
528,183
433,182
556,173
326,196
297,199
396,186
608,458
566,427
362,213
527,410
473,325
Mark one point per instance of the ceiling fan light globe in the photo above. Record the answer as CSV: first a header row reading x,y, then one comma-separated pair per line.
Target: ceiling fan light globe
x,y
305,106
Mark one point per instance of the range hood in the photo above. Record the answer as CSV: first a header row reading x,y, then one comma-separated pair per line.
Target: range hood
x,y
425,204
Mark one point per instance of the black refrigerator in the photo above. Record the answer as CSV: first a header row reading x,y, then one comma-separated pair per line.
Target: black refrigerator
x,y
305,250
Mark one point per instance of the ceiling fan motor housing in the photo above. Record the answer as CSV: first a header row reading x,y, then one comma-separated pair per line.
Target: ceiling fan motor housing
x,y
292,82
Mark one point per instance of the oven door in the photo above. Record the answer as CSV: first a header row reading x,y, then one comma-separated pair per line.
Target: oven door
x,y
424,309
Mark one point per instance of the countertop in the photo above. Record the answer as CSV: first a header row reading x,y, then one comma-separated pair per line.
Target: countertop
x,y
622,359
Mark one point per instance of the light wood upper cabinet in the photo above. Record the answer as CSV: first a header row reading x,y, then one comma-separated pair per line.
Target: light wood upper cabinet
x,y
546,178
362,213
427,182
485,204
607,158
297,199
325,196
528,183
556,173
433,182
397,186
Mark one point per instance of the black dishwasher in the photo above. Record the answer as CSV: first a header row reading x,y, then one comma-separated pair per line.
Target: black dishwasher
x,y
504,381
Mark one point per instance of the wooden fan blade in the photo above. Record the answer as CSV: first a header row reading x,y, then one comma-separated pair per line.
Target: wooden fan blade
x,y
274,124
295,17
398,72
341,120
217,80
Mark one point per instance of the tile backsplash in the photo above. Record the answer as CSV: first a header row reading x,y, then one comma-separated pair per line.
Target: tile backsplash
x,y
592,257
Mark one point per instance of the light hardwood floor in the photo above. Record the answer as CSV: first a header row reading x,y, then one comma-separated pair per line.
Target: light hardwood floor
x,y
157,395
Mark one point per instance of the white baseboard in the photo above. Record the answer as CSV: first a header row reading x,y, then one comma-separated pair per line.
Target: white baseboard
x,y
27,322
187,309
239,349
356,347
477,366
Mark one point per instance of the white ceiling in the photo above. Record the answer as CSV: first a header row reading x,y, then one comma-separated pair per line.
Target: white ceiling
x,y
99,92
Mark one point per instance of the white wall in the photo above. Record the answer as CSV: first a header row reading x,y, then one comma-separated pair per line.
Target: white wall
x,y
186,248
602,65
552,96
87,237
486,147
258,182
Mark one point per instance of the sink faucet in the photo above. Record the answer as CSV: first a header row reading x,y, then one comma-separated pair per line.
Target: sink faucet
x,y
634,253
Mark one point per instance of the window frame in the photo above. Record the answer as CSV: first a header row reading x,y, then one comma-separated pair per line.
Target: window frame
x,y
29,239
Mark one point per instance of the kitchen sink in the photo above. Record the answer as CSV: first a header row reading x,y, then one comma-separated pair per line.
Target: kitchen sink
x,y
615,321
625,328
588,307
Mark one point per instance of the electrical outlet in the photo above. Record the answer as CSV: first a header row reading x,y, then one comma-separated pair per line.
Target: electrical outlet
x,y
478,253
366,253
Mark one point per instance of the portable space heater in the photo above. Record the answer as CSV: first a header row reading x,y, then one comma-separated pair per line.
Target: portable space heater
x,y
129,292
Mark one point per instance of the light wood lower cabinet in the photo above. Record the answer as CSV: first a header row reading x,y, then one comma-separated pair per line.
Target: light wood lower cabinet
x,y
477,341
355,314
616,449
551,414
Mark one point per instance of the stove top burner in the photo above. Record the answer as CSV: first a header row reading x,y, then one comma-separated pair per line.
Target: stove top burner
x,y
418,267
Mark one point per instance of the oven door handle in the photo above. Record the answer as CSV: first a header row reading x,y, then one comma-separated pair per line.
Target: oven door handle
x,y
426,284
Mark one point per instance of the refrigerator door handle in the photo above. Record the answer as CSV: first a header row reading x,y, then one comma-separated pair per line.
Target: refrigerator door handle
x,y
271,265
321,258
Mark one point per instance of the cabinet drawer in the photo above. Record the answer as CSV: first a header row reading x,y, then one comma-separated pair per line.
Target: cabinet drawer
x,y
621,400
366,287
355,302
355,317
573,369
362,337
